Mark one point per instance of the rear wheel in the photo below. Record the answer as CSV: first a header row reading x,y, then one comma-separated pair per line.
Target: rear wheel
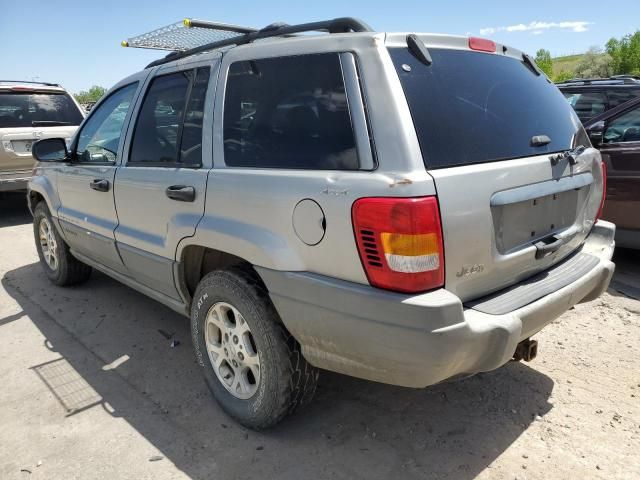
x,y
59,265
252,365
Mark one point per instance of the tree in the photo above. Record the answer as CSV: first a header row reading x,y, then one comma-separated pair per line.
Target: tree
x,y
92,95
595,64
625,54
544,61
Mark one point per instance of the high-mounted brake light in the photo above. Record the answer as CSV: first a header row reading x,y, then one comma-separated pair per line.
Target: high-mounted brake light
x,y
604,189
400,242
22,89
482,44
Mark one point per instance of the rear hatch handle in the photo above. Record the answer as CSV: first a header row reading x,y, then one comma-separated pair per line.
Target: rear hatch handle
x,y
553,243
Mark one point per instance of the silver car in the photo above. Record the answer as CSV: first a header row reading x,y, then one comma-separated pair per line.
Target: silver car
x,y
403,208
30,111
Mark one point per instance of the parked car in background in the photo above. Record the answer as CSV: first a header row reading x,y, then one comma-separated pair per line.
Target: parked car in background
x,y
592,97
30,111
346,201
616,134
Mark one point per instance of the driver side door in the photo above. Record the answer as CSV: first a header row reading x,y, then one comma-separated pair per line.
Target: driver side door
x,y
87,212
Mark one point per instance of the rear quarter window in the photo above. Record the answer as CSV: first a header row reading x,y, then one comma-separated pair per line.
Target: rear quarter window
x,y
288,112
471,107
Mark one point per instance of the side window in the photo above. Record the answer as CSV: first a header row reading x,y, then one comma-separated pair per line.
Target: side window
x,y
618,97
168,129
191,146
288,112
625,128
99,138
587,104
156,134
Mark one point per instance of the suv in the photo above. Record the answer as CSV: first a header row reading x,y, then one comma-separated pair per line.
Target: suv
x,y
592,97
350,202
616,133
30,111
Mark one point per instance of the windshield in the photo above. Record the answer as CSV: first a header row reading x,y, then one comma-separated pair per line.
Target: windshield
x,y
470,107
21,109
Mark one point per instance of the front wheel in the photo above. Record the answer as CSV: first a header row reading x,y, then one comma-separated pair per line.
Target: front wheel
x,y
252,365
59,265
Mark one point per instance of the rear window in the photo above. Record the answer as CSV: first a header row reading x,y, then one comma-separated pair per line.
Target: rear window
x,y
470,107
20,109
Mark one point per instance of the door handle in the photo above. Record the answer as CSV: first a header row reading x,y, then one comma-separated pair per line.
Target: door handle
x,y
100,185
181,193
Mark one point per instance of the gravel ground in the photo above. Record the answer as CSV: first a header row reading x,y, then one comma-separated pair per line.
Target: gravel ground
x,y
92,389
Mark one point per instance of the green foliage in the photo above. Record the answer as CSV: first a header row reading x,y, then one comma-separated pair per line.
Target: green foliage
x,y
563,76
543,59
595,64
93,95
625,53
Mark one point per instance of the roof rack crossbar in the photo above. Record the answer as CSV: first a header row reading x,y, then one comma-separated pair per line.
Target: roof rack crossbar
x,y
337,25
195,23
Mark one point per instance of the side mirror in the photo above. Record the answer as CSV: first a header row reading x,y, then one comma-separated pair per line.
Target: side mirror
x,y
596,132
50,150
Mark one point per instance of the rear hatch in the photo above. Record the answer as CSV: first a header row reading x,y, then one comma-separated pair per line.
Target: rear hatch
x,y
490,127
28,114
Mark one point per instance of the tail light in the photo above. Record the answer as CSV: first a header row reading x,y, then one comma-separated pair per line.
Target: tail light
x,y
604,189
400,242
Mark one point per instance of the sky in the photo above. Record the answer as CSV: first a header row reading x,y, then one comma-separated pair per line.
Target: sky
x,y
77,43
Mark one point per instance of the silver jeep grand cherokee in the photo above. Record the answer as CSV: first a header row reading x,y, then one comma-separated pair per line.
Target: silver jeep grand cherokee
x,y
403,208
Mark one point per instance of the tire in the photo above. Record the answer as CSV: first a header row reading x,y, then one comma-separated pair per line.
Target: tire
x,y
66,269
284,380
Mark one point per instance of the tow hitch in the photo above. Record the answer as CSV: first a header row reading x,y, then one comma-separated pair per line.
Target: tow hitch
x,y
526,350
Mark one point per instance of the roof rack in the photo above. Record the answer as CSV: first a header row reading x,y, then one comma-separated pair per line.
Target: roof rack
x,y
613,80
185,35
195,36
31,82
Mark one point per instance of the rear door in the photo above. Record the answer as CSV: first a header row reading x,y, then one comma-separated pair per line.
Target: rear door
x,y
29,114
620,150
85,186
490,126
160,189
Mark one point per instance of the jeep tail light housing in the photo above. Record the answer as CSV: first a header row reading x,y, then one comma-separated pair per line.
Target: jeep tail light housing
x,y
400,242
604,189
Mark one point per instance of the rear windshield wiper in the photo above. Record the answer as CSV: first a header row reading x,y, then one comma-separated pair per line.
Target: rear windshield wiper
x,y
571,155
48,123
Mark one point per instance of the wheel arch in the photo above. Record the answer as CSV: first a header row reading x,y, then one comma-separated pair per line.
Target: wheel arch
x,y
195,261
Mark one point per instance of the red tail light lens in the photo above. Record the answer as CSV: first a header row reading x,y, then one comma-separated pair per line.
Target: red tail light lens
x,y
604,189
482,44
400,242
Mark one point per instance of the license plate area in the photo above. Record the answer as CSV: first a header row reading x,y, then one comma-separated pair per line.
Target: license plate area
x,y
21,146
523,223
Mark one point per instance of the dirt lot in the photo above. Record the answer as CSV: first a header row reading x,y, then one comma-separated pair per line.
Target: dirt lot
x,y
92,389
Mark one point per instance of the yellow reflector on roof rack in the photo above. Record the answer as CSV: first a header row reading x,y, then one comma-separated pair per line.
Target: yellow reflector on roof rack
x,y
124,43
187,22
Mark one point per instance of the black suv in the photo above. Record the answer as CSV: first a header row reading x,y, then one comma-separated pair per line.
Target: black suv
x,y
591,97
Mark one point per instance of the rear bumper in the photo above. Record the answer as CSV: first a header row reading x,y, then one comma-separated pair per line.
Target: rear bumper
x,y
10,181
416,341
